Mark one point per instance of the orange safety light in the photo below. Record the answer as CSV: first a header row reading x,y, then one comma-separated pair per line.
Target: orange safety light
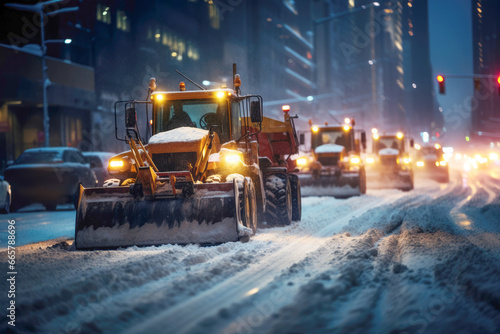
x,y
326,123
182,86
152,84
237,81
285,108
440,78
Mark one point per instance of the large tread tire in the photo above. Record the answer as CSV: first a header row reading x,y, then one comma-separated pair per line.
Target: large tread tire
x,y
362,181
248,205
6,209
278,200
296,198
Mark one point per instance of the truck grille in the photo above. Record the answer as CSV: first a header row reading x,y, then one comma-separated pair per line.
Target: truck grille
x,y
328,161
388,160
166,162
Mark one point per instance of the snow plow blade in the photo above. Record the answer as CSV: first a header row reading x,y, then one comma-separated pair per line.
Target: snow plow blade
x,y
401,180
111,217
343,186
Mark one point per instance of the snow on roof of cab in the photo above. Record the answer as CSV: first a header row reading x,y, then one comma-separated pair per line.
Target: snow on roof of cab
x,y
183,134
329,148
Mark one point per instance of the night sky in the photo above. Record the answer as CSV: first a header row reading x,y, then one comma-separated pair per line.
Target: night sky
x,y
450,26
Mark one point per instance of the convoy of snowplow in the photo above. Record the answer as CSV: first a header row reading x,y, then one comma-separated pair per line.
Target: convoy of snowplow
x,y
215,169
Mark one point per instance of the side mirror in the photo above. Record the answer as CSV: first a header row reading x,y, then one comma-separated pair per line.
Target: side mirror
x,y
302,139
412,143
363,140
255,112
10,163
130,118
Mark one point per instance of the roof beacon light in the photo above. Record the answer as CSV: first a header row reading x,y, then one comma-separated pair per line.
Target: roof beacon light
x,y
152,84
315,129
400,135
285,108
437,146
374,130
220,95
237,81
346,127
182,86
347,120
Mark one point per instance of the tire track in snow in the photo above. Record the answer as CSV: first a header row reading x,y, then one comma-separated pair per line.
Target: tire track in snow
x,y
183,317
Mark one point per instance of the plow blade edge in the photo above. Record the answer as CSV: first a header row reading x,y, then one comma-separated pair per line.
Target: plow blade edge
x,y
342,186
112,218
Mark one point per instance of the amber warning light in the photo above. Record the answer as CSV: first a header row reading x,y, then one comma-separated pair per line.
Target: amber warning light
x,y
285,108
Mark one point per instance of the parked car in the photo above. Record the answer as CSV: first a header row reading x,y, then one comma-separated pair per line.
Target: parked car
x,y
5,196
99,163
49,175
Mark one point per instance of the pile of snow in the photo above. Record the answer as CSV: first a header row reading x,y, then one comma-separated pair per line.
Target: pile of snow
x,y
179,135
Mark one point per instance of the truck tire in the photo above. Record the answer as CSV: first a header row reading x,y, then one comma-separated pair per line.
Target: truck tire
x,y
248,206
6,208
362,181
278,200
296,198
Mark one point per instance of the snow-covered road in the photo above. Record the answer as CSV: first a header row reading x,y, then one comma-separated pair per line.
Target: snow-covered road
x,y
426,261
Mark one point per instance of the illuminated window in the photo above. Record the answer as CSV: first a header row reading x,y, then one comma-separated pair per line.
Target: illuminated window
x,y
213,12
122,21
103,13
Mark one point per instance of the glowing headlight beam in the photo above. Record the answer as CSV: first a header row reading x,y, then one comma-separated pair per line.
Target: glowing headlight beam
x,y
116,163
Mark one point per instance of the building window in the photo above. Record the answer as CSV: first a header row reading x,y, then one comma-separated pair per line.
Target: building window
x,y
122,21
213,13
103,13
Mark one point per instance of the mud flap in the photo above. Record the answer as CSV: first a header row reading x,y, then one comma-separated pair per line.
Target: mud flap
x,y
112,218
343,186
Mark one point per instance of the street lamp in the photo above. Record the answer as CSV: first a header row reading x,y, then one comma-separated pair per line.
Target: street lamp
x,y
38,8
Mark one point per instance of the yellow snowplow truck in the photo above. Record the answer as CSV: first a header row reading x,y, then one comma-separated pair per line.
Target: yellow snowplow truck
x,y
390,164
334,166
213,168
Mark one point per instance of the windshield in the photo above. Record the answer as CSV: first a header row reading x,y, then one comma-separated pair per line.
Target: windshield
x,y
388,142
337,136
192,113
40,157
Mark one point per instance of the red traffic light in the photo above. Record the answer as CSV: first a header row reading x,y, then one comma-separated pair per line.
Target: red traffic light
x,y
440,80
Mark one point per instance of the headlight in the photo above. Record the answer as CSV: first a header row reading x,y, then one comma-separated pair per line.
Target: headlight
x,y
420,163
493,156
442,163
370,160
355,160
115,164
406,160
301,161
232,158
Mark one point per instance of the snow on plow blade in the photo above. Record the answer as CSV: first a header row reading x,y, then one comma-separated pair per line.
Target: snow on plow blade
x,y
377,180
343,186
112,218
